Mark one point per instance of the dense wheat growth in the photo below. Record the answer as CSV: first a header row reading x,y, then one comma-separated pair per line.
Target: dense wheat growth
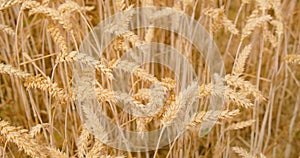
x,y
44,114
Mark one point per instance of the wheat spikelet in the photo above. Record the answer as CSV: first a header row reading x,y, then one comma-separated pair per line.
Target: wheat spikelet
x,y
55,153
8,3
142,94
149,35
8,69
245,2
30,4
169,83
268,36
240,63
120,5
142,74
254,21
96,150
197,119
83,142
92,121
71,6
276,6
45,2
37,8
157,94
220,19
37,129
136,106
205,90
121,25
279,27
263,4
105,95
46,85
7,30
242,152
229,25
2,152
239,98
185,98
226,114
240,125
212,115
59,39
246,86
141,124
293,59
22,139
150,31
133,38
84,58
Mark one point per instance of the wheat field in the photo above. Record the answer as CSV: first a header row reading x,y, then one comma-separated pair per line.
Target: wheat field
x,y
40,116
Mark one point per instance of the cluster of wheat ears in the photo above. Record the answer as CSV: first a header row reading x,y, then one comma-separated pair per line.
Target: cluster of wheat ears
x,y
258,41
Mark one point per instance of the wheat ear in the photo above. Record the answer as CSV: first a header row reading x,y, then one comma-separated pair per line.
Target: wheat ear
x,y
44,83
240,125
219,17
10,70
37,129
239,66
185,98
244,85
83,142
22,139
37,8
8,3
293,59
254,21
242,152
7,30
96,150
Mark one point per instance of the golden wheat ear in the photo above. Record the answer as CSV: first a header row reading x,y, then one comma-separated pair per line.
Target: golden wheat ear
x,y
293,59
22,139
7,29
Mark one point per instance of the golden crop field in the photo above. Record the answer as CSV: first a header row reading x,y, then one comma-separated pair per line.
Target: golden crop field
x,y
150,78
